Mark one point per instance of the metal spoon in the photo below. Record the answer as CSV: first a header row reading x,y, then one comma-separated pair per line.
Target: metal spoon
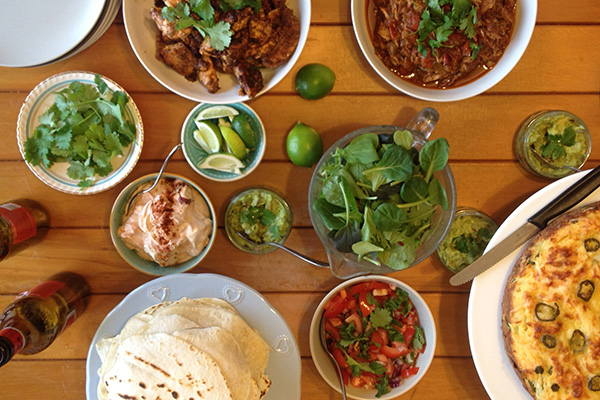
x,y
309,260
324,344
156,180
547,163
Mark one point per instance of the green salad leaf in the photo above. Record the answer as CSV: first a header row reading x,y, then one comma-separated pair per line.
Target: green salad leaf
x,y
377,199
86,126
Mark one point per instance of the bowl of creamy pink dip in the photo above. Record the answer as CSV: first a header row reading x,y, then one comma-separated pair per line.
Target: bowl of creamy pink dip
x,y
165,231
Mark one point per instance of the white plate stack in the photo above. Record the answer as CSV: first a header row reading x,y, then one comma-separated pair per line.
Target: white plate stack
x,y
39,32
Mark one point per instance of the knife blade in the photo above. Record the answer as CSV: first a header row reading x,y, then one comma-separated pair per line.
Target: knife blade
x,y
538,221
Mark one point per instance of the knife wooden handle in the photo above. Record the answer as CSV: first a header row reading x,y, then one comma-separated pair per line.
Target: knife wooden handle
x,y
567,199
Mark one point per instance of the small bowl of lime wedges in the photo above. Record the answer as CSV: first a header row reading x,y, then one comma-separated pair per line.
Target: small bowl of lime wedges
x,y
223,142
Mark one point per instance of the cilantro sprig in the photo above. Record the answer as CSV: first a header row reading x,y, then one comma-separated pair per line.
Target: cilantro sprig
x,y
260,214
86,127
472,245
555,147
437,25
217,31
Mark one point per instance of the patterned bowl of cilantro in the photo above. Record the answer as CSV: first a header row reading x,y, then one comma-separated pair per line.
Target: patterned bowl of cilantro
x,y
80,132
381,333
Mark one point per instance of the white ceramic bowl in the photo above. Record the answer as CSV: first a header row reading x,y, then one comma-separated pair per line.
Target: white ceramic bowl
x,y
130,256
141,32
325,366
524,24
40,99
194,154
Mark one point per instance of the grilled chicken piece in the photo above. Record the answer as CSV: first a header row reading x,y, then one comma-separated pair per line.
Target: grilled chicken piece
x,y
286,33
207,74
249,78
168,28
179,57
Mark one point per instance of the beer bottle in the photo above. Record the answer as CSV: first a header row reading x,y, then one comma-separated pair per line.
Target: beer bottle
x,y
36,317
23,222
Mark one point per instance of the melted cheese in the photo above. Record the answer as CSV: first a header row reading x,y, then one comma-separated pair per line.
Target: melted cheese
x,y
550,271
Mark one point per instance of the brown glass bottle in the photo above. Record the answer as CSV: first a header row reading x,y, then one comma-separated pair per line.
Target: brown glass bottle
x,y
35,318
23,222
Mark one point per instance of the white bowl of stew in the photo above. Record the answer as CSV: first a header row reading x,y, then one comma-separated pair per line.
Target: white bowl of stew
x,y
415,330
420,74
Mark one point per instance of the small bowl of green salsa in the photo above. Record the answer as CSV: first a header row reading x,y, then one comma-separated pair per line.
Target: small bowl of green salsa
x,y
469,234
549,142
260,214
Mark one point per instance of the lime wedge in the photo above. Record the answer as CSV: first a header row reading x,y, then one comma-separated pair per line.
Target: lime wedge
x,y
208,136
223,162
240,124
216,112
233,140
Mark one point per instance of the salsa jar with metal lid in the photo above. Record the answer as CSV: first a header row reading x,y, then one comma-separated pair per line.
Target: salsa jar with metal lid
x,y
553,144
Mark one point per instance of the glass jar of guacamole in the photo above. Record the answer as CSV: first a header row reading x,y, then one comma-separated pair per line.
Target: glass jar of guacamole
x,y
548,142
469,234
261,215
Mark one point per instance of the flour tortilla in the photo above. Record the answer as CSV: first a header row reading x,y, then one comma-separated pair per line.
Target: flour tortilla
x,y
212,326
163,366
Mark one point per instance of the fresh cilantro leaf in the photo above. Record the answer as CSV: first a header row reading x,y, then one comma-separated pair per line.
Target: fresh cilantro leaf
x,y
419,339
219,34
358,367
204,9
102,86
568,137
267,217
77,170
380,317
382,386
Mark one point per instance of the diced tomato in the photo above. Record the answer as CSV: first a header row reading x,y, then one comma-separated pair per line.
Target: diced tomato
x,y
353,350
389,367
405,373
345,376
332,330
411,318
334,306
394,350
409,333
365,308
355,318
393,28
339,356
366,380
413,20
380,336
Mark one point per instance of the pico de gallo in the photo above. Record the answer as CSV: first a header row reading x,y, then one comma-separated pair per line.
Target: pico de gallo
x,y
373,331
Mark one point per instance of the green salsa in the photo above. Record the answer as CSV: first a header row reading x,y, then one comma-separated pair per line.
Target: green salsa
x,y
561,139
467,238
261,215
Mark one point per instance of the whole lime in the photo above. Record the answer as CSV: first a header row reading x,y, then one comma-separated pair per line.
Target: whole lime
x,y
314,81
304,145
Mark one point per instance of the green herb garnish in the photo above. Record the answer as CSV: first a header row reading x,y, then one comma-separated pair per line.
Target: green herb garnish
x,y
436,25
218,32
260,214
472,244
555,148
84,127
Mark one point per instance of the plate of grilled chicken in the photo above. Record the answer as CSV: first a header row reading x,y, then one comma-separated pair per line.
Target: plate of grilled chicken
x,y
221,54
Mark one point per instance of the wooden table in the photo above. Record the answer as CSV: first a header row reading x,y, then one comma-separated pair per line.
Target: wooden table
x,y
559,70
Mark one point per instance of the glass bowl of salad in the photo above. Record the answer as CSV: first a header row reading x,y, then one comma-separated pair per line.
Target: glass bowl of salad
x,y
382,198
394,331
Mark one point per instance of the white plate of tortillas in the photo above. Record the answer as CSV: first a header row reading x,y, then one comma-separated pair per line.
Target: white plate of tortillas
x,y
194,336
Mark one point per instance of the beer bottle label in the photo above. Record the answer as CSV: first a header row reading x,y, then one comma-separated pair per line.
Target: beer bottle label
x,y
44,289
21,221
15,336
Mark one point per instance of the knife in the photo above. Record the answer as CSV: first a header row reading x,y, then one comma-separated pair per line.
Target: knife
x,y
538,221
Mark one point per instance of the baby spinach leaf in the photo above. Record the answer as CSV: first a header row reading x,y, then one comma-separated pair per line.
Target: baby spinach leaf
x,y
437,193
325,210
362,248
346,236
395,164
434,156
362,149
414,190
403,139
388,217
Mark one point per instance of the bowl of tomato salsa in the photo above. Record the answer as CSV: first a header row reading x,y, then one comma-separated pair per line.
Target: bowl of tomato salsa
x,y
381,333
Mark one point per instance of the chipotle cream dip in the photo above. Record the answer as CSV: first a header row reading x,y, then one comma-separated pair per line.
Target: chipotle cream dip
x,y
168,225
